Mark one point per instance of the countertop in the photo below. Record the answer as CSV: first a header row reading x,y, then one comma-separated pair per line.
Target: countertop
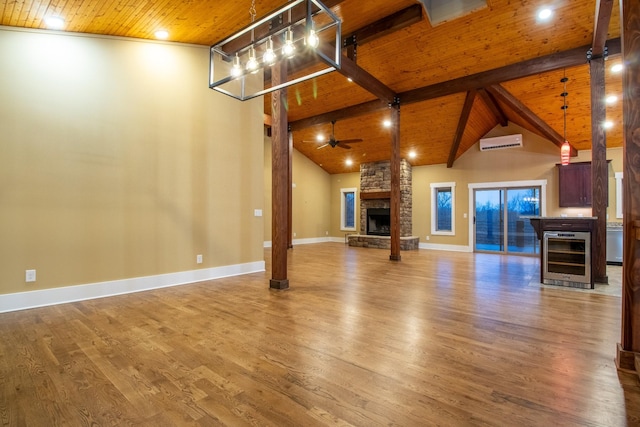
x,y
562,217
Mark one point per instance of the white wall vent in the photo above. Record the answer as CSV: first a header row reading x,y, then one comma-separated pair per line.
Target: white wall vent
x,y
501,142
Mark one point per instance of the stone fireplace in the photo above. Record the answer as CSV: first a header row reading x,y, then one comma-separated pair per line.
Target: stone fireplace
x,y
375,204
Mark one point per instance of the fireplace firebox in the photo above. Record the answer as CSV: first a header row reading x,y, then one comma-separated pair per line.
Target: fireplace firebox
x,y
379,221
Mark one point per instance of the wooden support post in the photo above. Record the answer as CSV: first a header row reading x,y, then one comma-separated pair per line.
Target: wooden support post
x,y
395,182
629,348
290,191
280,180
599,175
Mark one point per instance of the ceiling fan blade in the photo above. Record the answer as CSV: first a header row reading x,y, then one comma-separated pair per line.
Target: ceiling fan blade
x,y
322,146
343,145
350,141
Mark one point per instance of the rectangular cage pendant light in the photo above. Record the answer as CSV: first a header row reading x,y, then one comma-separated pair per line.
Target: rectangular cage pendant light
x,y
300,32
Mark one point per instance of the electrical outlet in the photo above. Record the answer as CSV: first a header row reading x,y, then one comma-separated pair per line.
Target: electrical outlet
x,y
199,259
427,238
294,234
30,276
326,233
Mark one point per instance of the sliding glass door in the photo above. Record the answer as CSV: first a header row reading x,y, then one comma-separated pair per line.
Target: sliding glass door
x,y
489,216
501,221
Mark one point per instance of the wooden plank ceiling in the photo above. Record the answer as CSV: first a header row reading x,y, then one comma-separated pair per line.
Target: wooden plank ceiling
x,y
432,67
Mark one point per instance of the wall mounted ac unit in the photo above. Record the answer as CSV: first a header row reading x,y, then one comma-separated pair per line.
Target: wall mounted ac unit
x,y
501,142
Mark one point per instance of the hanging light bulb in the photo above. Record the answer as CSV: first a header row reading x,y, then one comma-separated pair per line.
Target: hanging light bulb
x,y
289,49
269,57
565,153
312,39
236,68
252,63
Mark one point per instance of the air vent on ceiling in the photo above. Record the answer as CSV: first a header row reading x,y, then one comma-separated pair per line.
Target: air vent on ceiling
x,y
501,142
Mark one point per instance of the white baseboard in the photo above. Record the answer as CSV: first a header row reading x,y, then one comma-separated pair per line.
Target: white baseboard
x,y
336,239
45,297
432,246
311,240
441,247
268,243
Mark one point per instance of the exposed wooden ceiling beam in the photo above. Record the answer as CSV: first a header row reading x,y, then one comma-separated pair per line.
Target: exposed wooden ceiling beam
x,y
491,103
353,111
363,78
601,26
386,25
503,95
554,61
462,124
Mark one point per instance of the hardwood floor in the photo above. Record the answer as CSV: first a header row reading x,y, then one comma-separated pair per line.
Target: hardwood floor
x,y
440,338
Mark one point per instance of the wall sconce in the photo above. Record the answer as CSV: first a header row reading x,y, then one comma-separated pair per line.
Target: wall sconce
x,y
298,29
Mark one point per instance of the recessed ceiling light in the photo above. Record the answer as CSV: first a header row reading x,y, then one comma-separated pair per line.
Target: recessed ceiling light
x,y
616,68
162,34
320,137
54,22
412,154
544,14
386,123
608,124
611,99
349,162
349,79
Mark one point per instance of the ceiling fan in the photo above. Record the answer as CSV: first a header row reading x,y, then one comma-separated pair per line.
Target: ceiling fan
x,y
333,142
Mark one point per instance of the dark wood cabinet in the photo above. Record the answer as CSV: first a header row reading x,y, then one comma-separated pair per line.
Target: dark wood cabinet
x,y
575,185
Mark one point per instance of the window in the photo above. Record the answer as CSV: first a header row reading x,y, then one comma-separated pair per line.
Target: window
x,y
348,209
618,176
443,208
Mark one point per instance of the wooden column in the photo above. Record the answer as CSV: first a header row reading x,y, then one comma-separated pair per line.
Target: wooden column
x,y
290,191
280,181
628,356
599,175
395,182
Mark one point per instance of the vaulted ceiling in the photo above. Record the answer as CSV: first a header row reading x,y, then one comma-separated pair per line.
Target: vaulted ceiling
x,y
456,79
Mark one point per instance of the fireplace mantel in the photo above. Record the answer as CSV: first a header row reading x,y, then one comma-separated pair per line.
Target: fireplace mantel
x,y
375,195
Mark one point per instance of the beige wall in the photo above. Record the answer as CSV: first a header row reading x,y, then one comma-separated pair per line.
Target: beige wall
x,y
311,197
536,160
117,161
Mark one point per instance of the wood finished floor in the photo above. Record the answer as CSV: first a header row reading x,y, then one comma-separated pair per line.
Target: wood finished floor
x,y
440,338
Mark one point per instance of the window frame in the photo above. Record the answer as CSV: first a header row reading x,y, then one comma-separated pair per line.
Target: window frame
x,y
343,192
435,186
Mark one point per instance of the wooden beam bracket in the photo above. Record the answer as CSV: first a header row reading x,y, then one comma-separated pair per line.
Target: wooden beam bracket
x,y
591,55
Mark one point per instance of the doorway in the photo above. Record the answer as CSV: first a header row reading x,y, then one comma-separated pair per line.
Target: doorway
x,y
501,219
